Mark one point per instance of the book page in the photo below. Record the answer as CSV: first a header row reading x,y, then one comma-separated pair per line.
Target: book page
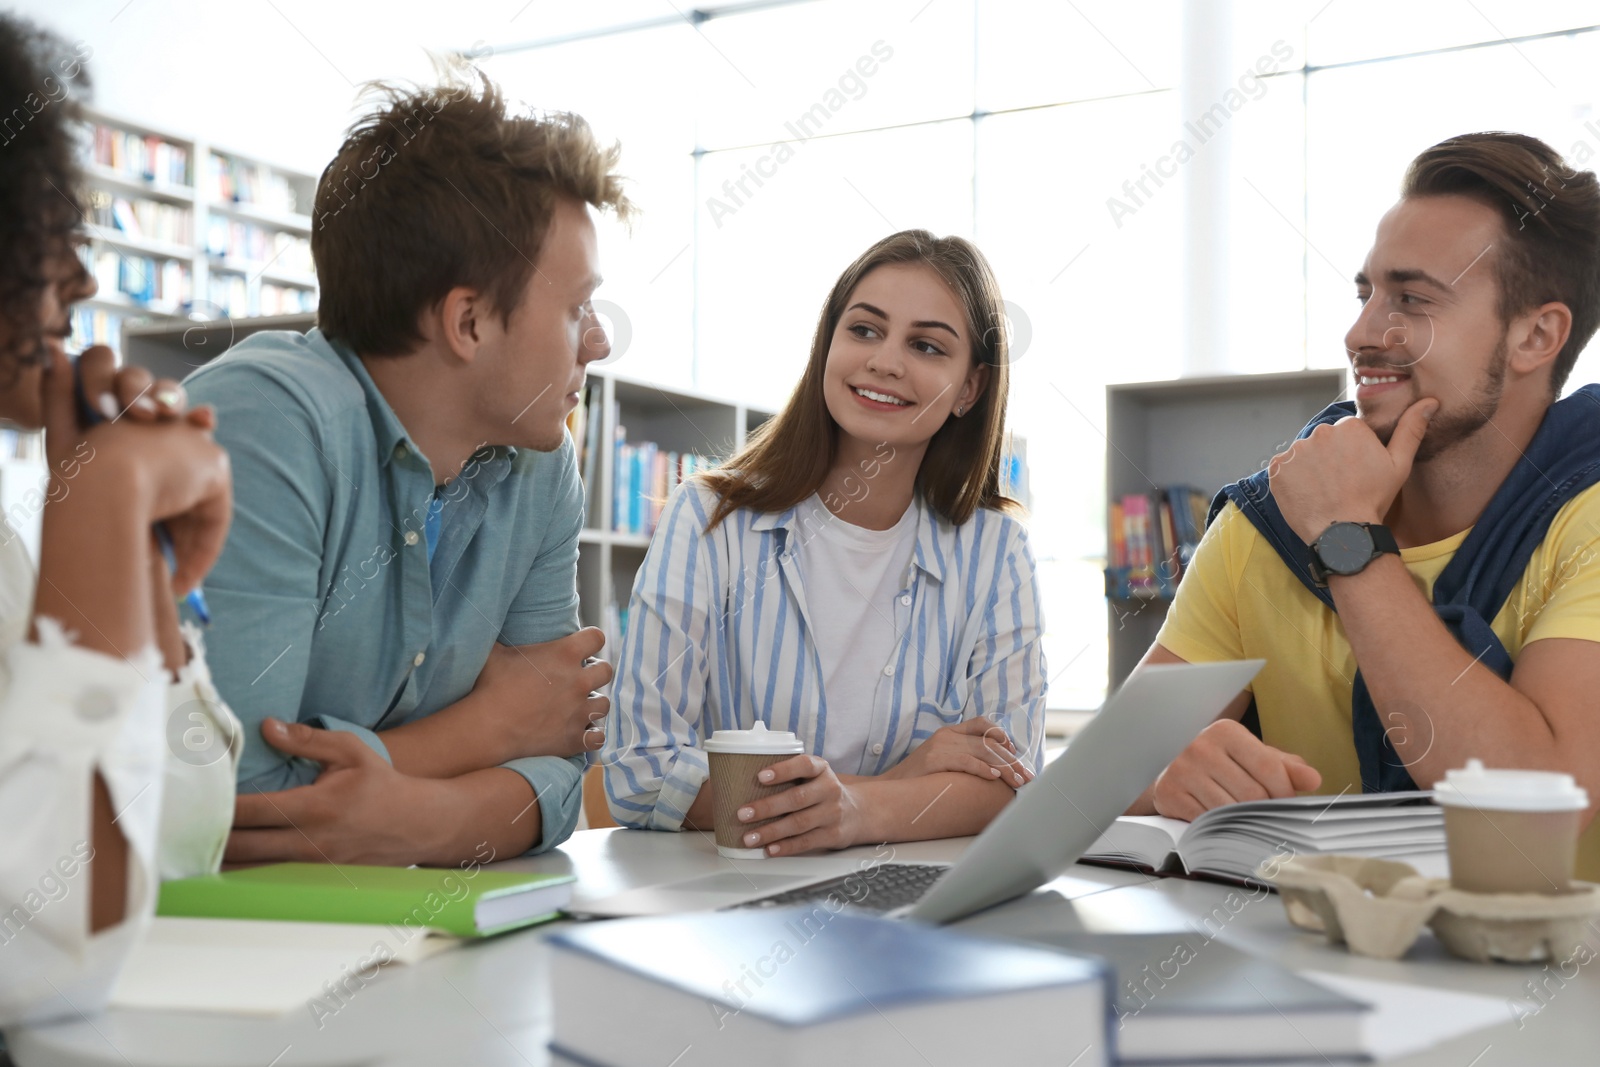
x,y
258,967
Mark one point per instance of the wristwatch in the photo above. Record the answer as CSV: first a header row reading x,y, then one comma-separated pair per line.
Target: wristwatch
x,y
1347,547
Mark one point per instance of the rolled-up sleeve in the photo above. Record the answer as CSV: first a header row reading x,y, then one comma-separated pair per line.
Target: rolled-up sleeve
x,y
653,766
1007,669
558,786
67,714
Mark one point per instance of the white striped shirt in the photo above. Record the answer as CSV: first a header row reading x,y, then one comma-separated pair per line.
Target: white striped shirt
x,y
719,638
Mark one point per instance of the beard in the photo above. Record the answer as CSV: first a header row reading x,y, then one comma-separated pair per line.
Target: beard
x,y
1455,422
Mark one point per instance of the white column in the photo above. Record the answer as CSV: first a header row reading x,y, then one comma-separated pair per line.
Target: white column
x,y
1206,73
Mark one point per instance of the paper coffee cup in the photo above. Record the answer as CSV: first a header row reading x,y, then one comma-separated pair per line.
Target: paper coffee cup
x,y
1510,831
736,757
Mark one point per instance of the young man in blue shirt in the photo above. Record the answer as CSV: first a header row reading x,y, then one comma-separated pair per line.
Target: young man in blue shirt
x,y
396,612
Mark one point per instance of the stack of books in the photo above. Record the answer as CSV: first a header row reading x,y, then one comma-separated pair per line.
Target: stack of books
x,y
800,987
1152,539
95,326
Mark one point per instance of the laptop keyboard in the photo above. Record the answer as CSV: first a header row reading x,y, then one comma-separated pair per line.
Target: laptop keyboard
x,y
881,888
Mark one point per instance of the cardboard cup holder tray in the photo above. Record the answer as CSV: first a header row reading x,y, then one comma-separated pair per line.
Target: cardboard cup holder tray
x,y
1379,907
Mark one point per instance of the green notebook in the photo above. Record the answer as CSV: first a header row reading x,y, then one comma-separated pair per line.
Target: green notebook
x,y
465,904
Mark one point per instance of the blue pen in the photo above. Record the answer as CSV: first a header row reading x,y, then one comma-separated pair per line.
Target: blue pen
x,y
89,416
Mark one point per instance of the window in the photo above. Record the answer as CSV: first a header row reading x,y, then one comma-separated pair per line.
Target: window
x,y
771,145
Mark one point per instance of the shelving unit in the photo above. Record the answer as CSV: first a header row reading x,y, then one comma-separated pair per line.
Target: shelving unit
x,y
184,231
675,420
176,348
1203,432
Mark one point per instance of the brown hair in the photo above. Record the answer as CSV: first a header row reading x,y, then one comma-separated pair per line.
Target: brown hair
x,y
1552,222
439,187
788,457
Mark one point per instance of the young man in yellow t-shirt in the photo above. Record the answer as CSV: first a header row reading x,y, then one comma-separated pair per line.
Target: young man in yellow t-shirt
x,y
1481,288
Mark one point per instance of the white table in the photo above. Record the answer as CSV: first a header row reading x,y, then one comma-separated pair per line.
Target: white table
x,y
486,1004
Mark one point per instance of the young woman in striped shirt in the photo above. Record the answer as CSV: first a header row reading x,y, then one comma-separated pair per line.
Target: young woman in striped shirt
x,y
855,576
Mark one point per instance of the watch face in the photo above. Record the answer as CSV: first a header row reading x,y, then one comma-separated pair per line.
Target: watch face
x,y
1345,548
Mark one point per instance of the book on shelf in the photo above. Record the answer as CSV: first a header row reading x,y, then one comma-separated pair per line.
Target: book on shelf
x,y
228,292
643,476
284,299
139,155
95,326
801,986
231,239
1186,997
240,182
142,219
144,279
1230,843
1152,539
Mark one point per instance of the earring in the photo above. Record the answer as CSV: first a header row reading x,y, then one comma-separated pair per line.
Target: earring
x,y
959,410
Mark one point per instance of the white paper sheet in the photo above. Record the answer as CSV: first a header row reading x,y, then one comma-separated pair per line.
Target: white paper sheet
x,y
247,967
1408,1018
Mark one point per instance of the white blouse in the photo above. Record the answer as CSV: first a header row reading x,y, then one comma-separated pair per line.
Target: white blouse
x,y
167,751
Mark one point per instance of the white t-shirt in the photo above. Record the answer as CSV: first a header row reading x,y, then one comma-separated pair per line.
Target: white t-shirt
x,y
852,576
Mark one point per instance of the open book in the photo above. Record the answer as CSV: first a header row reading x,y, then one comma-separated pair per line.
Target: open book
x,y
1232,841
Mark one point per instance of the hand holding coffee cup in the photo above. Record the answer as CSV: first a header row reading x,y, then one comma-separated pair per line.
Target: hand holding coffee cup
x,y
1510,831
736,757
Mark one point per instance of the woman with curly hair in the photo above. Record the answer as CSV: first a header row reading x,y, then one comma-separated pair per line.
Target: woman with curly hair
x,y
103,785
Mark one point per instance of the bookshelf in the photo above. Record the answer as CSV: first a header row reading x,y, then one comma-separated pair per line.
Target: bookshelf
x,y
181,230
672,421
1200,432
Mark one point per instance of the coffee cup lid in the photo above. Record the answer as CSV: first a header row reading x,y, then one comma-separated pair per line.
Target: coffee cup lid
x,y
1497,789
757,739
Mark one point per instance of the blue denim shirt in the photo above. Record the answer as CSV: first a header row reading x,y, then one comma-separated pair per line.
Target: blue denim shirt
x,y
325,606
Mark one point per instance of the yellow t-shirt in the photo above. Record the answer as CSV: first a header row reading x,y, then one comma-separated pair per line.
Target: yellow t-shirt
x,y
1239,601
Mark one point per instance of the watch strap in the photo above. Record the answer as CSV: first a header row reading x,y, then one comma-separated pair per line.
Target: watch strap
x,y
1382,539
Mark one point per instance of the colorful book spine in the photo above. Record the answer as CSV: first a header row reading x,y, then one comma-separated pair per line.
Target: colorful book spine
x,y
149,158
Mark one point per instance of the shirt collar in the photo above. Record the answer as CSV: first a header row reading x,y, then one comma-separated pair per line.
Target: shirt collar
x,y
928,556
393,440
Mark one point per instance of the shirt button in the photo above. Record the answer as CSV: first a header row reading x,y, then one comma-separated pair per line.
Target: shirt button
x,y
94,705
877,750
420,657
400,450
906,599
889,670
411,537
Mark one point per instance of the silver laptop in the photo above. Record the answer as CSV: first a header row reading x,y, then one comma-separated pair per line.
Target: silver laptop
x,y
1053,820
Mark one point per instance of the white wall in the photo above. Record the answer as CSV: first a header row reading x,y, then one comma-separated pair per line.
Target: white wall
x,y
277,79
